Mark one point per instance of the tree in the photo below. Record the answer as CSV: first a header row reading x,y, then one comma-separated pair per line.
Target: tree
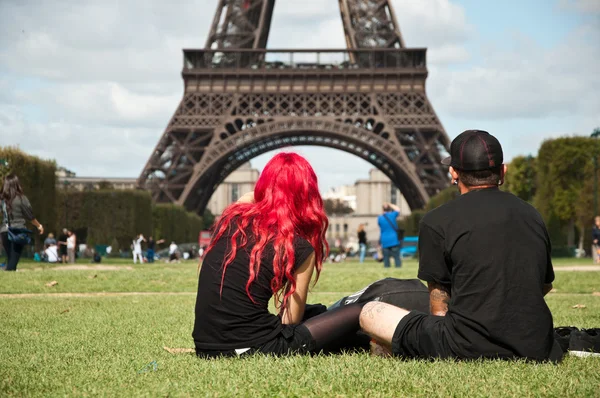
x,y
336,207
521,177
410,224
564,171
105,185
208,218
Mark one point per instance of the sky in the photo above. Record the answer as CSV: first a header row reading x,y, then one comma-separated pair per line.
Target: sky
x,y
93,83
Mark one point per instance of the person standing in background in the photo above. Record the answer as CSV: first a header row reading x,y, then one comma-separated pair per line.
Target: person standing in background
x,y
362,242
596,240
152,247
71,245
16,211
390,242
137,248
62,245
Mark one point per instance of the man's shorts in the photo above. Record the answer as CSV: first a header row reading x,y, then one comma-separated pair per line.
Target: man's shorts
x,y
420,335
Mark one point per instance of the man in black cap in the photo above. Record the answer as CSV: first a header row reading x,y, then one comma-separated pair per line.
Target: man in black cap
x,y
486,259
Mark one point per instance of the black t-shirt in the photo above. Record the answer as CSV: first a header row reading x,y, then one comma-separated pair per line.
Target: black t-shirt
x,y
231,320
151,244
493,250
362,237
595,233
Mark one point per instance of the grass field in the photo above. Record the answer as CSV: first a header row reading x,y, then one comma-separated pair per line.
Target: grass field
x,y
102,333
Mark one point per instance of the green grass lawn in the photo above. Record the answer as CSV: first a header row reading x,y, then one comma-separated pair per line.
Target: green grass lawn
x,y
97,345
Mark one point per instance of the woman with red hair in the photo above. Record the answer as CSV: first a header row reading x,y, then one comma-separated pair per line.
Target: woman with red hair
x,y
268,245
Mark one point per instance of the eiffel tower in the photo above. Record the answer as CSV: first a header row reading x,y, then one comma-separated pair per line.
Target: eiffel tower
x,y
242,99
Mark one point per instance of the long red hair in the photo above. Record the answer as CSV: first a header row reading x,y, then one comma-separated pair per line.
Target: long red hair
x,y
287,203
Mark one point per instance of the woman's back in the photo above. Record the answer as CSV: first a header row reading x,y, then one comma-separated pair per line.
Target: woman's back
x,y
19,212
228,318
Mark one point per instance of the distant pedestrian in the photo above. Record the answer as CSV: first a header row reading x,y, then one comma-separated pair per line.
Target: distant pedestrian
x,y
362,242
49,240
151,248
71,246
62,245
16,211
137,248
596,240
390,235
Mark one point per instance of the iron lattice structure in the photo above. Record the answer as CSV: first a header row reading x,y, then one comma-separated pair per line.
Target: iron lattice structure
x,y
242,100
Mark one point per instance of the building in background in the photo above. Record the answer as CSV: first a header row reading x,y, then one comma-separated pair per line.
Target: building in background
x,y
235,185
345,194
239,182
370,195
93,183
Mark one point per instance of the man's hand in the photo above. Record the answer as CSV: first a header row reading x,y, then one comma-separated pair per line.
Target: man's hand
x,y
439,298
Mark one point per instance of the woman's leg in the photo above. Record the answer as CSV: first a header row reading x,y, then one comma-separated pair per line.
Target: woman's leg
x,y
7,247
363,250
15,257
329,328
13,253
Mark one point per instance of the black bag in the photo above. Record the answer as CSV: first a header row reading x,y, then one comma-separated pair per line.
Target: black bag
x,y
410,294
19,236
399,231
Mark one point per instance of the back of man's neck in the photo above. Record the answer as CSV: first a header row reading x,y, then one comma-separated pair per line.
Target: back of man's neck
x,y
465,189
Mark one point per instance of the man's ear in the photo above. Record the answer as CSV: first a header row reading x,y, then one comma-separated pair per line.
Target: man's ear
x,y
453,173
503,173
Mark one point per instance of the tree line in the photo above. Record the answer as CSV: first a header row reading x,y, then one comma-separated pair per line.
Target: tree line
x,y
105,216
559,182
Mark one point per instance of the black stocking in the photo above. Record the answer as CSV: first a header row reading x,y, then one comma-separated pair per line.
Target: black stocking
x,y
333,327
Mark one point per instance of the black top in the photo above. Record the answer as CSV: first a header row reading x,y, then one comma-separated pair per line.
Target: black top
x,y
231,320
19,213
493,250
362,237
595,233
151,244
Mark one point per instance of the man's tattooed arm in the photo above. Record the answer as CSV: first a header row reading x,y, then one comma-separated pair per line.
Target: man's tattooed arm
x,y
439,298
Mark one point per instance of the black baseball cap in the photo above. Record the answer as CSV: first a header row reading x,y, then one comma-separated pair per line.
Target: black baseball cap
x,y
474,150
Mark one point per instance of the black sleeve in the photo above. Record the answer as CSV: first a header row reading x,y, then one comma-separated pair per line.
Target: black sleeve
x,y
432,256
26,208
303,250
549,274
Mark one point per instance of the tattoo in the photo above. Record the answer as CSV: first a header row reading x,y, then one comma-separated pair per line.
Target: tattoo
x,y
376,307
439,298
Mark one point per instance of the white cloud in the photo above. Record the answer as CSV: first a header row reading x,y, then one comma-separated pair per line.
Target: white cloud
x,y
527,81
87,149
